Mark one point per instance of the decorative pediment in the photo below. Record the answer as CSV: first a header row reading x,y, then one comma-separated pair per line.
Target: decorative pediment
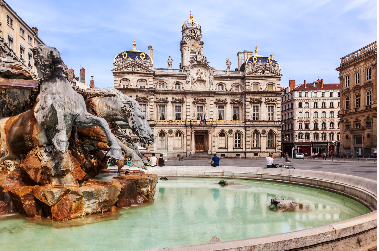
x,y
199,100
367,84
346,91
356,87
161,100
255,100
259,68
177,100
236,101
270,100
136,65
142,99
221,101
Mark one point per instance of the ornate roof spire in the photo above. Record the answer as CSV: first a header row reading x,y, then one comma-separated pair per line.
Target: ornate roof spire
x,y
191,15
134,46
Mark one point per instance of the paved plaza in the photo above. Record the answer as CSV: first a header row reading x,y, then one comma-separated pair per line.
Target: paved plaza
x,y
366,168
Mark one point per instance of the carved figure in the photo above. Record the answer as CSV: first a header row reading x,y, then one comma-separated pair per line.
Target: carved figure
x,y
228,63
169,62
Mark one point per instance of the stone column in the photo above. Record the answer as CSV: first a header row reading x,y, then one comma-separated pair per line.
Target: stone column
x,y
210,143
192,142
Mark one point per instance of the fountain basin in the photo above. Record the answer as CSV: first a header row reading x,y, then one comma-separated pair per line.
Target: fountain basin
x,y
359,233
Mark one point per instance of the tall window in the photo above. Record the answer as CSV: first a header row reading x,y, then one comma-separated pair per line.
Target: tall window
x,y
271,113
331,114
315,126
178,140
300,94
22,50
255,139
301,136
315,105
270,140
323,114
368,74
368,97
347,102
323,94
323,136
315,94
305,94
125,83
300,115
357,78
22,32
30,56
178,112
331,105
220,87
221,140
270,87
331,125
161,112
307,136
142,83
236,113
306,115
300,105
338,136
338,104
200,112
237,140
306,105
162,140
357,100
256,112
300,126
323,126
10,21
177,86
315,115
347,81
10,42
315,136
143,108
338,125
221,112
30,40
331,94
323,105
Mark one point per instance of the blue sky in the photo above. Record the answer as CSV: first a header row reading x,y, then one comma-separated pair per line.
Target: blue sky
x,y
307,37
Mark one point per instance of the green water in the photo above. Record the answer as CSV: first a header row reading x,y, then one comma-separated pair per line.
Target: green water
x,y
186,211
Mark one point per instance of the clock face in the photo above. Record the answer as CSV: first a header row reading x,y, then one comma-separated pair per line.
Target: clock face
x,y
193,45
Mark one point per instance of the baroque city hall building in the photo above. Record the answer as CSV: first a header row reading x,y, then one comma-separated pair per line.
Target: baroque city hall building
x,y
358,114
197,109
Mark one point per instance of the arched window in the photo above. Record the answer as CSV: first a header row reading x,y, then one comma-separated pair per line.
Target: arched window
x,y
270,140
315,115
323,126
177,86
331,125
178,140
331,114
323,114
306,115
220,87
125,83
237,140
300,115
142,83
315,126
255,140
221,140
162,140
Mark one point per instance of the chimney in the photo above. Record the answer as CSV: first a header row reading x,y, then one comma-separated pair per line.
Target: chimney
x,y
322,83
292,85
305,83
245,58
239,56
150,52
35,30
70,75
92,82
82,75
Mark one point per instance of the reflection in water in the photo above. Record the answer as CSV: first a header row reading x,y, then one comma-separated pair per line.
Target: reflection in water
x,y
185,212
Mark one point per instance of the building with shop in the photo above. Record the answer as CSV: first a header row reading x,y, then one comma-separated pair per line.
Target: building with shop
x,y
309,115
18,36
358,84
197,109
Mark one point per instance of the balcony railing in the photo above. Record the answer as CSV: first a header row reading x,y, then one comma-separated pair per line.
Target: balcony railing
x,y
359,54
197,122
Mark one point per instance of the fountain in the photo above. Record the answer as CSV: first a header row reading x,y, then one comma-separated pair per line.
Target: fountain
x,y
50,153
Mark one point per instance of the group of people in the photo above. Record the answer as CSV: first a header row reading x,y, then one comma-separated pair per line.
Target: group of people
x,y
154,161
270,161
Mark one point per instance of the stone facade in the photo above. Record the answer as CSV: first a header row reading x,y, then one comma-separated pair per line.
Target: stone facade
x,y
309,115
197,108
358,83
19,36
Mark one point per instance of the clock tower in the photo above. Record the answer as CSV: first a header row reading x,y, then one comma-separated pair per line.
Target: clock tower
x,y
191,46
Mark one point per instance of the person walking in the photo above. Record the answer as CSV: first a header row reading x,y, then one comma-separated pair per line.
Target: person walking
x,y
153,160
161,160
215,161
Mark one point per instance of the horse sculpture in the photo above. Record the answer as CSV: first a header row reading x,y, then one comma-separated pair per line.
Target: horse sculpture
x,y
125,113
58,109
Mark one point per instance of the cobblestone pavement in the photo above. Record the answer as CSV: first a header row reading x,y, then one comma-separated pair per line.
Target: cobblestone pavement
x,y
356,167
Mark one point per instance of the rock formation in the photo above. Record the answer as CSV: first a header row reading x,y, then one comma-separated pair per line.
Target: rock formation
x,y
49,154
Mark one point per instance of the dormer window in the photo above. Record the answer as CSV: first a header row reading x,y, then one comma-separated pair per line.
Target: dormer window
x,y
177,86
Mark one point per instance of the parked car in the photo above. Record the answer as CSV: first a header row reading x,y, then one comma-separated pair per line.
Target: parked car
x,y
299,156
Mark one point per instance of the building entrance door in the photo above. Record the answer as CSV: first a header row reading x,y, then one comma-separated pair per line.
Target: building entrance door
x,y
199,142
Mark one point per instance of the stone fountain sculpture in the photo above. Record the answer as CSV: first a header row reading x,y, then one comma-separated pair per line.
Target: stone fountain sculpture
x,y
49,154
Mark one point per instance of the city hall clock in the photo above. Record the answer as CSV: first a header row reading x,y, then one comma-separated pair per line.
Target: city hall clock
x,y
193,45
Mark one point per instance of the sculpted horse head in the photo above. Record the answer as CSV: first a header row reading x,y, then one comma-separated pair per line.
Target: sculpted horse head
x,y
114,106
